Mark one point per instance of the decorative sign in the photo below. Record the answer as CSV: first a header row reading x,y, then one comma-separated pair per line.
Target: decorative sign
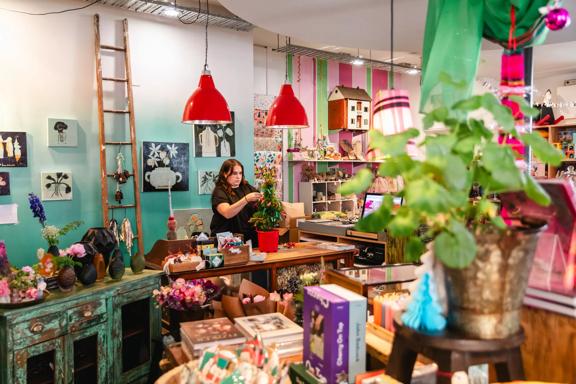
x,y
13,151
4,183
207,182
165,165
215,140
62,133
56,185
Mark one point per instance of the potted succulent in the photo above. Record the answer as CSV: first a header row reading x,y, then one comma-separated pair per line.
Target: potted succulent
x,y
486,261
268,215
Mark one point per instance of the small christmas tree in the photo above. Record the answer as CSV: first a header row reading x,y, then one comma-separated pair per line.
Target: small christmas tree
x,y
269,212
424,313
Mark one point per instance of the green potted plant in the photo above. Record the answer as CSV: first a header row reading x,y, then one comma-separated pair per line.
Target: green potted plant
x,y
268,215
486,261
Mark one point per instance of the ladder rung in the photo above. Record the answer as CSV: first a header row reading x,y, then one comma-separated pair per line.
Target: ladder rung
x,y
112,48
122,206
112,174
116,111
114,79
118,143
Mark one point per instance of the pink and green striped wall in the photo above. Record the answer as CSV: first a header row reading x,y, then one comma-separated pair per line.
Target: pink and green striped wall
x,y
312,80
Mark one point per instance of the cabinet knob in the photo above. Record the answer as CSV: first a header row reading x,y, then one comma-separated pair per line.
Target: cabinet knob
x,y
87,313
37,327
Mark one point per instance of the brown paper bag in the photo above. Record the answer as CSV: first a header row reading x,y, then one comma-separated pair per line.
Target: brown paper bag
x,y
232,307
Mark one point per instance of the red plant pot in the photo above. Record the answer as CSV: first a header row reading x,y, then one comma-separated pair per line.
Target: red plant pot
x,y
268,241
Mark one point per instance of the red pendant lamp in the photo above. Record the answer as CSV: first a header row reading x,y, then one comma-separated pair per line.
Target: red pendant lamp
x,y
286,111
206,105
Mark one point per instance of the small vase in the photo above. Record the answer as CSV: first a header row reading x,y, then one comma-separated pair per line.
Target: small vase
x,y
100,266
66,279
53,250
137,263
87,275
116,267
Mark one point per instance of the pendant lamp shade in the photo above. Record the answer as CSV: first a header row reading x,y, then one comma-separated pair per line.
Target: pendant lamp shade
x,y
206,105
286,111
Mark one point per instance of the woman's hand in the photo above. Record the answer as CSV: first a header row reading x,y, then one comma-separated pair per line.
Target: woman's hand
x,y
253,197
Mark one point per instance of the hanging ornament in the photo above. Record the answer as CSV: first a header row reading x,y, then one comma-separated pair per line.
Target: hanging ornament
x,y
118,196
126,235
557,19
121,175
113,226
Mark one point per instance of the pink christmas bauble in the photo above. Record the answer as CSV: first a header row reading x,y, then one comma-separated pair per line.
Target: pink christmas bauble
x,y
557,19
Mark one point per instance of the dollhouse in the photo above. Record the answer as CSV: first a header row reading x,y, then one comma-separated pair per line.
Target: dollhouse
x,y
349,108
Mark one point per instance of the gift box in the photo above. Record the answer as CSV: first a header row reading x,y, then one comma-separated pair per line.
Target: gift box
x,y
236,255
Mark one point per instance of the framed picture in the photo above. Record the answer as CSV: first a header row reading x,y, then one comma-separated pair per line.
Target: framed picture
x,y
207,182
165,165
4,183
56,185
215,140
62,133
13,151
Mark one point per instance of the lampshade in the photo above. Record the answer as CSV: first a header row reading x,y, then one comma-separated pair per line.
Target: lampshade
x,y
286,111
206,105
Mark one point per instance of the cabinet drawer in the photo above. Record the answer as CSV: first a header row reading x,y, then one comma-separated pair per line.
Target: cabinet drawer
x,y
86,315
38,329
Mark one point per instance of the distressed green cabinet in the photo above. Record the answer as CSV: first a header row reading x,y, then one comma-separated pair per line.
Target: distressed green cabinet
x,y
94,335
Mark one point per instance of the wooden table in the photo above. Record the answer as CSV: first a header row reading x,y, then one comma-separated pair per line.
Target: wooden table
x,y
303,253
453,352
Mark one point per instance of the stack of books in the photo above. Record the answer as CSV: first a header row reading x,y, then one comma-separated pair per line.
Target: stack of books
x,y
200,335
274,329
334,333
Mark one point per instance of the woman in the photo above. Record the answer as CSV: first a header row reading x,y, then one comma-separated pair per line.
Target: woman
x,y
233,202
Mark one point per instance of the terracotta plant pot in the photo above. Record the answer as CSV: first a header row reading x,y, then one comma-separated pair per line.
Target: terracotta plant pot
x,y
66,279
268,241
100,266
485,298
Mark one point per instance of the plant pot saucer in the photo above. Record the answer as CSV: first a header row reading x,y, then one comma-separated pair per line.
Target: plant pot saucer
x,y
21,304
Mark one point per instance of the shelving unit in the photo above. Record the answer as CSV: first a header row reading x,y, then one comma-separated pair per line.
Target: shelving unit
x,y
320,196
553,132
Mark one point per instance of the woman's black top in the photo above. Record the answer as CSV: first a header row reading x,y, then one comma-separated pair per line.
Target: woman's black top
x,y
238,223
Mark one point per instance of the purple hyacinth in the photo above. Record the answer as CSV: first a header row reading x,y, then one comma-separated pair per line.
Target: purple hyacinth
x,y
37,208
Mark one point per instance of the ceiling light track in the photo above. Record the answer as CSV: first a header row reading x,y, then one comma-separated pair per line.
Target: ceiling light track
x,y
346,58
158,7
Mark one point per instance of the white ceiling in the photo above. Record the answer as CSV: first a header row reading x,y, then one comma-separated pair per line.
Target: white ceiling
x,y
349,25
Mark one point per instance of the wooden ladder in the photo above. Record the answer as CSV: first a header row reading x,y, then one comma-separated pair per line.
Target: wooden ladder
x,y
104,174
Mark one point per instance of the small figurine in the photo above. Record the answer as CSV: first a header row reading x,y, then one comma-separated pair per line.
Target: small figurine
x,y
171,234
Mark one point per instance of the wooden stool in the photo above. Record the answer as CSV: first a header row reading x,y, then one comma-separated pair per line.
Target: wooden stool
x,y
453,352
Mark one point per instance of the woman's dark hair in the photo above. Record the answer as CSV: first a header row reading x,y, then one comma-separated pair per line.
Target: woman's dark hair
x,y
225,171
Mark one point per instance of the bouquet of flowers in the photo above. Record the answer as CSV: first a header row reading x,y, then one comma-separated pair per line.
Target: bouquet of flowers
x,y
50,233
183,294
21,285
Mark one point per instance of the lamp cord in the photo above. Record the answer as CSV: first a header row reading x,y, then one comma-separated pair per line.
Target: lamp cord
x,y
391,44
206,35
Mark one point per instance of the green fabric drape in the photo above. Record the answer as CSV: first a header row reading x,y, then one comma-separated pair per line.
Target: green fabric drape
x,y
453,38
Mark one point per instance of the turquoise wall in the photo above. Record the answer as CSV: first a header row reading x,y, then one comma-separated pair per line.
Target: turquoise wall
x,y
47,70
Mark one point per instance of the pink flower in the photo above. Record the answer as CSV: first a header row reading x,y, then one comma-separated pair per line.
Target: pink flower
x,y
4,288
246,300
32,293
288,296
76,250
274,296
259,298
28,270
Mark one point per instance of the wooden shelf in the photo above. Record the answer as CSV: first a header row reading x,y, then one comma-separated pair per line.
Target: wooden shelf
x,y
337,161
132,332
